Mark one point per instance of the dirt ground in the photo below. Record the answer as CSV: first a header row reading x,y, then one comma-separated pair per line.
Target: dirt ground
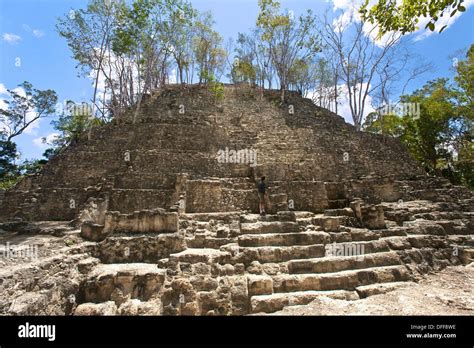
x,y
449,292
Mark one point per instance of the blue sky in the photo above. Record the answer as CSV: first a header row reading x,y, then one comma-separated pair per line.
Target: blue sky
x,y
30,48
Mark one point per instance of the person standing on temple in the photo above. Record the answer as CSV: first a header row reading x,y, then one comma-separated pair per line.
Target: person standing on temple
x,y
262,195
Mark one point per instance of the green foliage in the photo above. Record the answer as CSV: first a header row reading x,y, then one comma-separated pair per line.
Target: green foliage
x,y
463,124
441,137
7,184
270,18
429,136
23,110
8,169
288,40
391,125
29,167
395,16
69,242
71,125
209,54
88,30
215,87
243,71
10,172
299,70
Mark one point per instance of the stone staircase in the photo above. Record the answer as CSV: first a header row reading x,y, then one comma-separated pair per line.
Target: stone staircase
x,y
301,268
297,150
235,263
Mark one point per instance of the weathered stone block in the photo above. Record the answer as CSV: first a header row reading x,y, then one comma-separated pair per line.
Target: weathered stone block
x,y
95,309
144,221
259,285
328,223
373,217
93,232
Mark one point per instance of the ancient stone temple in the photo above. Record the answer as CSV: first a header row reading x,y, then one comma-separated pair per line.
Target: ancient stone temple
x,y
165,202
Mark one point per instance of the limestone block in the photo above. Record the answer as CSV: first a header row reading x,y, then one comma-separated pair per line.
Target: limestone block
x,y
94,309
93,232
137,307
260,285
328,223
373,217
381,288
144,221
29,303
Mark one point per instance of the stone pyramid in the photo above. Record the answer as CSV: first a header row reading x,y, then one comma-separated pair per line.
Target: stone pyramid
x,y
166,203
171,148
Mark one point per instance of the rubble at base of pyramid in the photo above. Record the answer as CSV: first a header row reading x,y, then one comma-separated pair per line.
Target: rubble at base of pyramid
x,y
157,215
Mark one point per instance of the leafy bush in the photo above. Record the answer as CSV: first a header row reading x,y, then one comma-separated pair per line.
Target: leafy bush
x,y
215,87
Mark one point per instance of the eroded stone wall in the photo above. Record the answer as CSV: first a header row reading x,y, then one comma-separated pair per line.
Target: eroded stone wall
x,y
136,164
148,221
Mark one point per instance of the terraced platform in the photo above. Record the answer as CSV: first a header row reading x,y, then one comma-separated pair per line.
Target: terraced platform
x,y
235,264
164,228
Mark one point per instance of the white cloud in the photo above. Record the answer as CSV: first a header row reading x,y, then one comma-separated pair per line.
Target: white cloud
x,y
109,64
38,33
20,91
33,128
3,89
38,142
3,104
348,11
343,108
11,38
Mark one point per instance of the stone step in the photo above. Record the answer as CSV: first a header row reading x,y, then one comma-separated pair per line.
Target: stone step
x,y
467,255
268,227
276,302
206,217
340,237
280,216
363,234
283,239
205,255
338,203
208,242
398,243
380,288
344,280
424,227
441,194
303,214
140,248
396,231
352,248
456,227
303,222
327,223
343,263
427,241
277,254
119,282
463,240
339,212
440,215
